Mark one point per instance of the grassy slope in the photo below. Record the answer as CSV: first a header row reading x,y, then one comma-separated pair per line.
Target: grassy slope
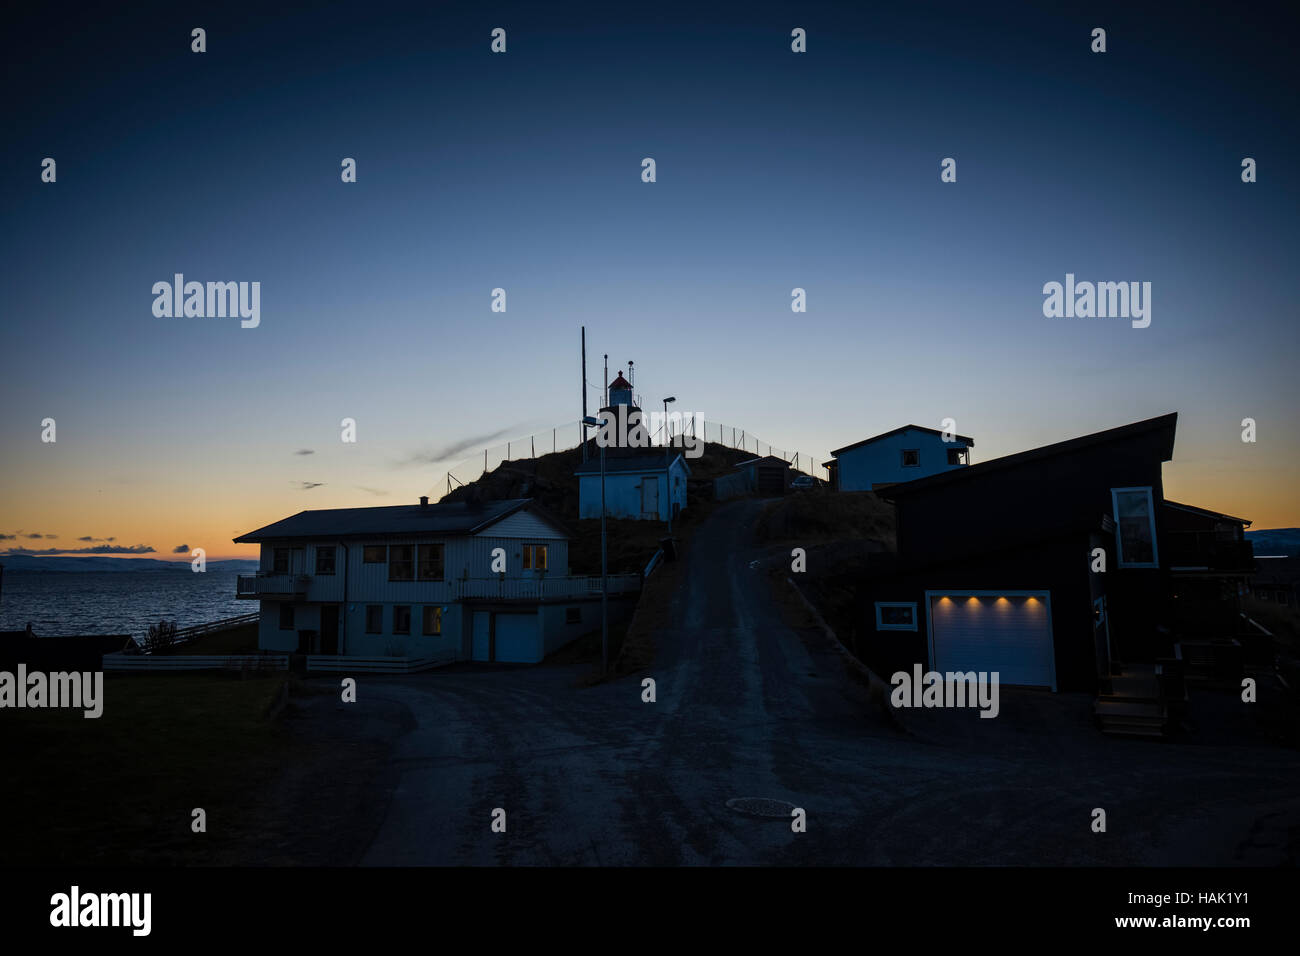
x,y
120,789
845,535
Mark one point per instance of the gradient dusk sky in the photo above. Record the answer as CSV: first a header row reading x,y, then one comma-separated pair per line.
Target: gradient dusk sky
x,y
523,171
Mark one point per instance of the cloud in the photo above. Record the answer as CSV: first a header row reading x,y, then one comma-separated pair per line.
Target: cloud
x,y
7,537
97,549
181,549
306,485
455,450
37,536
305,451
377,492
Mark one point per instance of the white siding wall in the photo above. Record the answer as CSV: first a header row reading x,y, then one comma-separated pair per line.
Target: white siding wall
x,y
882,461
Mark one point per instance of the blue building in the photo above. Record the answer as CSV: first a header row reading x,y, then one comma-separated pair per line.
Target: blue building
x,y
647,486
904,454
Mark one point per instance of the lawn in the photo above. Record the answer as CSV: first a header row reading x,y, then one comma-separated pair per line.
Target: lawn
x,y
120,789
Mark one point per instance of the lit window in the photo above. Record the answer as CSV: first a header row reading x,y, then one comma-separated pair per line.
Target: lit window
x,y
432,621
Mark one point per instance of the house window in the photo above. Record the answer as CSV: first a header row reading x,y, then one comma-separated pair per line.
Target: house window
x,y
573,615
402,619
1135,527
401,562
286,617
280,561
325,560
535,557
958,456
895,616
911,457
432,621
430,562
374,554
374,619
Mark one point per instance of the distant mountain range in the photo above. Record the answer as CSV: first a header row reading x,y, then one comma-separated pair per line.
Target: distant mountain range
x,y
1276,541
36,564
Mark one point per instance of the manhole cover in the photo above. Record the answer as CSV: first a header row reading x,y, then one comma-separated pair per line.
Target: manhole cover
x,y
761,807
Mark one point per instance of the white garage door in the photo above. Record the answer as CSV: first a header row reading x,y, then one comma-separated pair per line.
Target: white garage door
x,y
1010,633
517,640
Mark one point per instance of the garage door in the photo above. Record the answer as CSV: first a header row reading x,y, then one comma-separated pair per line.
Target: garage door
x,y
1008,632
517,639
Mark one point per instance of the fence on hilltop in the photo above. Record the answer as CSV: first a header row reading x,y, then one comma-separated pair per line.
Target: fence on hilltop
x,y
568,436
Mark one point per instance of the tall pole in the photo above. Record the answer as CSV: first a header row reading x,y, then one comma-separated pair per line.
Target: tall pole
x,y
583,428
604,574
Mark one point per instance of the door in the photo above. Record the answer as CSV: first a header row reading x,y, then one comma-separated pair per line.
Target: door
x,y
329,629
516,639
1009,632
481,648
650,496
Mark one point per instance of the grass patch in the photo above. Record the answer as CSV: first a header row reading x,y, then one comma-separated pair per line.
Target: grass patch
x,y
119,790
820,515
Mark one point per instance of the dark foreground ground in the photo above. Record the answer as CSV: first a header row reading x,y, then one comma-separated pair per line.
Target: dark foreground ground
x,y
751,707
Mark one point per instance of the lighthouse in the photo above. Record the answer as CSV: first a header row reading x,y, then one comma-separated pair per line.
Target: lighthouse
x,y
626,430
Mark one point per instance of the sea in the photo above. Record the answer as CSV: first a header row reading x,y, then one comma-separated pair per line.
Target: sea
x,y
66,603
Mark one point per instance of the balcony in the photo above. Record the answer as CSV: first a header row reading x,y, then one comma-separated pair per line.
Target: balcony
x,y
541,588
1206,552
272,586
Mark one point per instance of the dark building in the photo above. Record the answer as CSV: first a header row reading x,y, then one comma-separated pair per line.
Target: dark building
x,y
1000,565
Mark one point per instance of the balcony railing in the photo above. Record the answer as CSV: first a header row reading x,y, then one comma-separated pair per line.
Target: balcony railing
x,y
272,586
270,583
559,586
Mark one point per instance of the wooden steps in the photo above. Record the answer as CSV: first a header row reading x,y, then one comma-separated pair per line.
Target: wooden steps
x,y
1137,704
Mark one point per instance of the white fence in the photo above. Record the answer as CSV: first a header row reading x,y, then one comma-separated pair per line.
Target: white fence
x,y
342,663
160,663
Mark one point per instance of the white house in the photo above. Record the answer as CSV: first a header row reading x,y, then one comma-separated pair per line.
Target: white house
x,y
474,581
903,454
647,486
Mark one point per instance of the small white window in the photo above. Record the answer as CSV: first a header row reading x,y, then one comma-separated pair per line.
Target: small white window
x,y
895,616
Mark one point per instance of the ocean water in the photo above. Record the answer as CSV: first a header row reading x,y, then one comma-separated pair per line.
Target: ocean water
x,y
116,602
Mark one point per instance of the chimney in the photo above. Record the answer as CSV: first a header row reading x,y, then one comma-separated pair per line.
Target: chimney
x,y
424,502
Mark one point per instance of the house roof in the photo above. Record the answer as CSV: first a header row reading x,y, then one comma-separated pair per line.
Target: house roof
x,y
656,461
1206,513
1163,426
443,518
970,442
621,382
774,459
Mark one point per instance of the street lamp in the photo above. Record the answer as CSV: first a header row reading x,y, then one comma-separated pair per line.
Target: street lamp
x,y
667,436
668,479
604,567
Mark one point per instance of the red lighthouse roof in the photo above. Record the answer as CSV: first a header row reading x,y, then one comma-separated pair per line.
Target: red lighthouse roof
x,y
621,382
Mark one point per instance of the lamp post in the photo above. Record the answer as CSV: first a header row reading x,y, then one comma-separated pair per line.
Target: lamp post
x,y
604,566
668,478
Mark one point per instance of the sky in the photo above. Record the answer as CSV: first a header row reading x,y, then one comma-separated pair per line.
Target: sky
x,y
523,171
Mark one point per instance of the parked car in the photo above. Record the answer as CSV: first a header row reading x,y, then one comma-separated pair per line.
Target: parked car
x,y
803,483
